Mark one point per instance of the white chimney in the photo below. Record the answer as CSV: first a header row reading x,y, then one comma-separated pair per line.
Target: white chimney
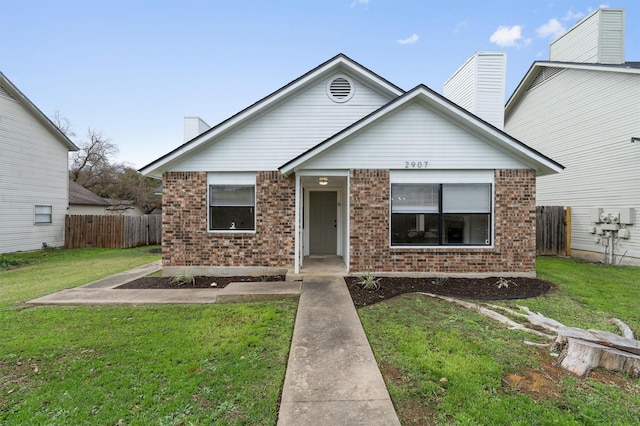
x,y
194,126
479,86
597,39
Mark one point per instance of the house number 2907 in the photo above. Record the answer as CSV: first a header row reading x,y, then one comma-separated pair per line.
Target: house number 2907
x,y
415,164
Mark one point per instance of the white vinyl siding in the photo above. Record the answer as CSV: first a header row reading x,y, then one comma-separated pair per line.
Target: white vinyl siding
x,y
598,38
584,119
425,137
285,131
33,171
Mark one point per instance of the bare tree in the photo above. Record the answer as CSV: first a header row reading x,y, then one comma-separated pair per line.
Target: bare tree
x,y
63,124
93,165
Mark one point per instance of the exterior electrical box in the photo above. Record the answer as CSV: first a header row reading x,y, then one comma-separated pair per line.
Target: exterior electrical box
x,y
624,233
626,216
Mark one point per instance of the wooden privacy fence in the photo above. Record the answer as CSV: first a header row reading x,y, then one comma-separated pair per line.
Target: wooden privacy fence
x,y
553,230
112,231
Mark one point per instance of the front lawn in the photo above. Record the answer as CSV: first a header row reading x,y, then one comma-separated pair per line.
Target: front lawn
x,y
446,365
135,365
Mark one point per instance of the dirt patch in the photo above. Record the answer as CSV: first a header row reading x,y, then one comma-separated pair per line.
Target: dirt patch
x,y
465,288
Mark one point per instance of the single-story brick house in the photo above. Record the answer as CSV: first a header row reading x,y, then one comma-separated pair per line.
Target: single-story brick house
x,y
342,162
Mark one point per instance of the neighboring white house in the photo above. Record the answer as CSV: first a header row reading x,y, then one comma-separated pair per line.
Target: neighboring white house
x,y
34,174
582,108
84,202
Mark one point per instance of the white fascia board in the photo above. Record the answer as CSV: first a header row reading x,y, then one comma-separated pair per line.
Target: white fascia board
x,y
496,138
535,67
36,113
154,169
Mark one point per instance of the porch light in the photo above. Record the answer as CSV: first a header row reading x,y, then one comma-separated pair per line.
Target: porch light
x,y
323,181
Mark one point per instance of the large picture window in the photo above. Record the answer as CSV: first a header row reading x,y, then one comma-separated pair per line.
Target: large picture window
x,y
231,207
428,214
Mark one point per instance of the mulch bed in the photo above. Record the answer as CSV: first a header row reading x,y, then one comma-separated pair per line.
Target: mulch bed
x,y
465,288
160,283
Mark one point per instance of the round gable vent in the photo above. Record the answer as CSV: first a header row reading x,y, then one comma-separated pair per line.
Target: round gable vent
x,y
340,89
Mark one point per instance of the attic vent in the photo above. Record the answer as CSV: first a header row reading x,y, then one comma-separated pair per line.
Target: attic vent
x,y
340,89
543,75
4,92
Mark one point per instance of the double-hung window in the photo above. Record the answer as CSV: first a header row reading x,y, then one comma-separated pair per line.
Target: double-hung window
x,y
232,201
43,214
441,214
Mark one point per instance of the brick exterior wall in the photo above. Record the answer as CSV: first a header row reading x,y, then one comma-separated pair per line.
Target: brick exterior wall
x,y
186,241
514,216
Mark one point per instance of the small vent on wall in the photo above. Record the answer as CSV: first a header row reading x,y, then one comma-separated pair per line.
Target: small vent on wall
x,y
340,89
4,92
543,75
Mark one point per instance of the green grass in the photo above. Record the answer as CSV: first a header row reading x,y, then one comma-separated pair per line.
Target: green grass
x,y
34,274
446,365
134,365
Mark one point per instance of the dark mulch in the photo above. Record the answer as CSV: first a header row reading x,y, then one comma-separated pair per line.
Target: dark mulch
x,y
465,288
200,282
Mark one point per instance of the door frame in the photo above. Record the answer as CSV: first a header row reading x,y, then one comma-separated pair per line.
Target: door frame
x,y
304,184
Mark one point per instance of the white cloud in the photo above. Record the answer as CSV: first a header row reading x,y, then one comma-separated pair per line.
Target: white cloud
x,y
411,40
460,26
573,16
357,2
551,29
509,36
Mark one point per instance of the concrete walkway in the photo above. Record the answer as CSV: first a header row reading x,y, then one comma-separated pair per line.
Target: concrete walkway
x,y
104,292
332,377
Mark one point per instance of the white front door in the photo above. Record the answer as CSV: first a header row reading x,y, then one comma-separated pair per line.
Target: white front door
x,y
323,222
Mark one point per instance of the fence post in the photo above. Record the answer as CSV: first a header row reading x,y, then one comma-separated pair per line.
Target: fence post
x,y
567,228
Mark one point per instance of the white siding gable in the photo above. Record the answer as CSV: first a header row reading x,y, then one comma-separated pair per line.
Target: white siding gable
x,y
414,134
598,38
284,131
33,171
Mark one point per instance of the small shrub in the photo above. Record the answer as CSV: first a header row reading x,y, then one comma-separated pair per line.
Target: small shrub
x,y
369,282
439,281
503,283
184,277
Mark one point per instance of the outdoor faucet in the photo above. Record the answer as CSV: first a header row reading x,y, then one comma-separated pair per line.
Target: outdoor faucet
x,y
233,225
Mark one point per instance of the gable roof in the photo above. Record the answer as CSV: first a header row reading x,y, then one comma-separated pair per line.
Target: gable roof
x,y
80,195
19,97
449,110
338,62
536,67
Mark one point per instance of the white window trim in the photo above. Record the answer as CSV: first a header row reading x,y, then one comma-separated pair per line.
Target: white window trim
x,y
35,214
232,178
441,177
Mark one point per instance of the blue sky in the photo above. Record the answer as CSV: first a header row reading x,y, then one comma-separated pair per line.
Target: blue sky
x,y
133,69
